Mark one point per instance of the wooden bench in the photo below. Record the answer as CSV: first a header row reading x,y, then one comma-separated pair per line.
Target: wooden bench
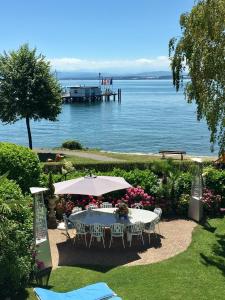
x,y
163,152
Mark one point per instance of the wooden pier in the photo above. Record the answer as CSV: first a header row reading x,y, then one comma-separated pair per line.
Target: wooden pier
x,y
80,94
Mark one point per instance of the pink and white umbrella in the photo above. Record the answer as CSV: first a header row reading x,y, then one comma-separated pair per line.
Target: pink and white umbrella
x,y
91,185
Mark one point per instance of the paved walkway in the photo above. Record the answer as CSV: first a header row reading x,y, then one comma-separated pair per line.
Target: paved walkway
x,y
175,238
83,154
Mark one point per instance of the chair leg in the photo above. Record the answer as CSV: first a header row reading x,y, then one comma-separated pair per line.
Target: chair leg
x,y
142,239
90,241
103,242
110,242
85,238
123,242
130,239
149,238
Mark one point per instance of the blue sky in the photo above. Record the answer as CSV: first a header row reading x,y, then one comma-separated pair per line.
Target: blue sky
x,y
94,35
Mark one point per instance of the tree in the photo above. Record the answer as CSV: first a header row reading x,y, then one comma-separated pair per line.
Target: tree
x,y
28,89
201,50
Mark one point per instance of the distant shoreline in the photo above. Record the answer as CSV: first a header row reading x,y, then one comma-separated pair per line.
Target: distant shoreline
x,y
122,78
102,152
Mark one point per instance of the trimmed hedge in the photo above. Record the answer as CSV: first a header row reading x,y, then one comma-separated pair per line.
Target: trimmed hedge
x,y
22,164
159,167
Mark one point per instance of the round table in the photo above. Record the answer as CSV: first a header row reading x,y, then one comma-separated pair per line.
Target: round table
x,y
106,216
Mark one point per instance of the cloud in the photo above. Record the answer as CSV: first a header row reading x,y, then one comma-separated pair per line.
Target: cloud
x,y
140,64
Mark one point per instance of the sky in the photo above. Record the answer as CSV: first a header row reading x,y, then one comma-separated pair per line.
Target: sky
x,y
94,35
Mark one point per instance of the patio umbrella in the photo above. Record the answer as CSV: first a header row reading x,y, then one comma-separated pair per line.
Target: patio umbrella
x,y
91,185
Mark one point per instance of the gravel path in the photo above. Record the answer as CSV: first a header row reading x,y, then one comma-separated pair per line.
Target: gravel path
x,y
79,154
175,238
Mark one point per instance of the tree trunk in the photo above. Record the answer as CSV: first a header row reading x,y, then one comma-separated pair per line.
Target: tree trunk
x,y
29,132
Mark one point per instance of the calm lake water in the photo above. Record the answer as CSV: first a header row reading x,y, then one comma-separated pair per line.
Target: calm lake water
x,y
151,116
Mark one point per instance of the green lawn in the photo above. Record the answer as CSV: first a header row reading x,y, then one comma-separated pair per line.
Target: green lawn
x,y
198,273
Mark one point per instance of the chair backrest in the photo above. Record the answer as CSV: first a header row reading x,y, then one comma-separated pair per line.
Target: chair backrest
x,y
136,228
92,206
76,208
117,229
80,228
137,206
97,229
158,211
106,205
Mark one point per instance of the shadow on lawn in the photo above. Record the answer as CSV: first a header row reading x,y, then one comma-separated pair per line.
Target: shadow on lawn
x,y
207,226
103,259
217,258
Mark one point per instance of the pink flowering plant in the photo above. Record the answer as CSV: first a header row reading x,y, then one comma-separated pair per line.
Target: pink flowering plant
x,y
137,195
211,202
84,201
64,207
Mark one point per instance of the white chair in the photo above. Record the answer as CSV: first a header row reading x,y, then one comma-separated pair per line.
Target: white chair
x,y
150,228
117,230
76,209
158,211
97,231
92,206
106,205
65,225
137,206
135,229
80,232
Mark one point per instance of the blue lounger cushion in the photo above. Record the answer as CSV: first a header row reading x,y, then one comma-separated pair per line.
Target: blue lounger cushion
x,y
97,291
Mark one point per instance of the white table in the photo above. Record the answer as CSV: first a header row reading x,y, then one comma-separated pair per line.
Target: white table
x,y
106,216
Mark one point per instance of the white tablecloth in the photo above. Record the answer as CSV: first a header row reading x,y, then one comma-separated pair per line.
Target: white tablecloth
x,y
106,216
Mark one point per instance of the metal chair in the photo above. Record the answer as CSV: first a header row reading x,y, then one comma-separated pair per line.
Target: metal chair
x,y
106,205
117,230
135,229
137,206
97,231
158,211
66,225
92,206
76,209
149,228
80,232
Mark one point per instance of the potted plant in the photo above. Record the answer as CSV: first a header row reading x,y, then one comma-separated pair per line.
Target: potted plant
x,y
122,210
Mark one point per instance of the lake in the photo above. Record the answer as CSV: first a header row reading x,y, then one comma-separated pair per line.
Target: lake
x,y
151,116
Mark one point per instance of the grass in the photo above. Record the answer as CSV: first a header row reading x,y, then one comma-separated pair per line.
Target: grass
x,y
198,273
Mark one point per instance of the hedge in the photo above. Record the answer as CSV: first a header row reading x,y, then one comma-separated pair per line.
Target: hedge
x,y
21,163
159,167
16,238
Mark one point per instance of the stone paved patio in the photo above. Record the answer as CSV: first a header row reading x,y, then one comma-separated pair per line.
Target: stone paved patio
x,y
175,238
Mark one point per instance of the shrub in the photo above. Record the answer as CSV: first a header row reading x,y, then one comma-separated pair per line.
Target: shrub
x,y
138,195
64,207
211,202
158,167
21,163
183,205
215,180
72,145
16,263
183,184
